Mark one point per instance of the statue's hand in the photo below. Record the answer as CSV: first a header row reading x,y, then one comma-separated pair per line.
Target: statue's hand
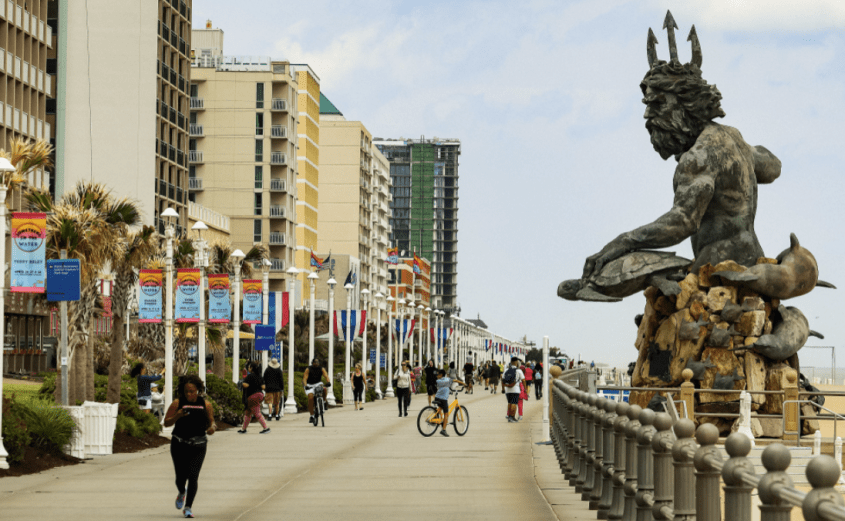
x,y
594,263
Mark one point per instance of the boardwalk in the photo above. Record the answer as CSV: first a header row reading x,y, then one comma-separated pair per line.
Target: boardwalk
x,y
366,464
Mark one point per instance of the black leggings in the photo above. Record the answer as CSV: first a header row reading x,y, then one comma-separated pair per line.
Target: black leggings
x,y
187,460
404,397
358,394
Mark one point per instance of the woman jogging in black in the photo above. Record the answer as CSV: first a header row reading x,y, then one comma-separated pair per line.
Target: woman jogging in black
x,y
194,419
358,388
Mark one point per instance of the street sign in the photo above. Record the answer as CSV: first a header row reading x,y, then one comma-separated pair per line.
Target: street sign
x,y
63,280
265,337
382,358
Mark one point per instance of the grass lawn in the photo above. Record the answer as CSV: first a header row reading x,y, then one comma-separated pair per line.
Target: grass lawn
x,y
20,389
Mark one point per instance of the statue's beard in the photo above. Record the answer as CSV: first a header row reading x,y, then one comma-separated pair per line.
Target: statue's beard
x,y
672,134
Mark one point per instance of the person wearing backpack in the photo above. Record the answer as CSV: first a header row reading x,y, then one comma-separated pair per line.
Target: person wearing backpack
x,y
510,387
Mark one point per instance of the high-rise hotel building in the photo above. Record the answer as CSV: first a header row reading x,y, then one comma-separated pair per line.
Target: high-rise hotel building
x,y
424,173
242,149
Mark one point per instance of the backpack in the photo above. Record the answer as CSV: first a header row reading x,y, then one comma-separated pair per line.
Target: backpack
x,y
510,377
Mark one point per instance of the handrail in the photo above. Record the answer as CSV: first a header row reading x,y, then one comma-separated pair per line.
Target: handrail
x,y
836,417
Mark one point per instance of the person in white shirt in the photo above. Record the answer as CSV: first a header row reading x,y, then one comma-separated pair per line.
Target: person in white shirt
x,y
510,387
402,378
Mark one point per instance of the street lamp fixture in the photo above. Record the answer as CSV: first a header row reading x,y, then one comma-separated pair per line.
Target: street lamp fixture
x,y
312,280
365,352
389,366
330,367
290,403
237,257
201,262
170,233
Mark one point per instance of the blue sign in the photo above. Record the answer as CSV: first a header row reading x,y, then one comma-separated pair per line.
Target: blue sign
x,y
382,358
276,351
265,337
63,280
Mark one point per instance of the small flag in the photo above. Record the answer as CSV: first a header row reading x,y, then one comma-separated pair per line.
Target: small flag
x,y
417,270
351,278
393,256
319,264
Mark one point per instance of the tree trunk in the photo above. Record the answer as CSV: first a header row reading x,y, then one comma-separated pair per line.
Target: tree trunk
x,y
90,393
115,359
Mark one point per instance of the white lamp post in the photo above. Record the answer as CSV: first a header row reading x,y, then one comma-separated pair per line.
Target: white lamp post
x,y
169,234
265,307
400,346
330,370
6,167
545,391
347,383
290,404
201,262
420,347
365,352
378,297
388,393
237,257
312,279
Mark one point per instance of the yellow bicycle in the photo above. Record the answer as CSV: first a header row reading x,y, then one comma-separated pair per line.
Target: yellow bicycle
x,y
430,417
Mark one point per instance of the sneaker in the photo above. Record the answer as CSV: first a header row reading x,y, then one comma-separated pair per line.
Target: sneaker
x,y
444,433
312,420
511,419
180,501
360,408
187,513
241,431
265,431
406,414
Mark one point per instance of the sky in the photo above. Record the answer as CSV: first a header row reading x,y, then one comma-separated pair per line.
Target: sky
x,y
556,160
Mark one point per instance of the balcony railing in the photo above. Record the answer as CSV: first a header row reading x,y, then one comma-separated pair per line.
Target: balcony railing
x,y
278,131
278,158
195,183
277,239
195,156
197,103
278,185
277,212
279,105
277,265
196,130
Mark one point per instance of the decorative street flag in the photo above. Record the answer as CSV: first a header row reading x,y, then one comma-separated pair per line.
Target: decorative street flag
x,y
352,278
219,306
403,329
417,262
357,326
278,300
265,337
252,301
28,270
440,335
393,256
188,295
149,300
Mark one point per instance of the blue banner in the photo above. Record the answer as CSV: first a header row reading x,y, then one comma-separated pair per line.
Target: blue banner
x,y
265,337
188,295
28,270
276,351
382,358
219,306
149,296
252,301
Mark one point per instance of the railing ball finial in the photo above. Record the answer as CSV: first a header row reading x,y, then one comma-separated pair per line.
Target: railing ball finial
x,y
791,376
707,434
662,421
737,445
684,428
622,408
776,458
687,375
592,399
823,473
647,417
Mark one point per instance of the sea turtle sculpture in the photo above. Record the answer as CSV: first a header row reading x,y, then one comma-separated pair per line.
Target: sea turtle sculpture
x,y
629,274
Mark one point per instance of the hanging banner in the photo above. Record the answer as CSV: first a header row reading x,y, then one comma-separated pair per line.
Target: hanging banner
x,y
252,302
440,335
219,305
149,296
188,295
403,330
357,326
29,269
278,300
265,337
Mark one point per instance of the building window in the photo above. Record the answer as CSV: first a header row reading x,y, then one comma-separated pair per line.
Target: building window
x,y
256,230
259,150
258,204
195,89
259,124
259,95
259,177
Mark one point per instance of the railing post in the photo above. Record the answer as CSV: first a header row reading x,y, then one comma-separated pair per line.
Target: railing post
x,y
632,428
688,393
607,463
823,474
585,441
683,451
598,441
664,473
590,425
576,443
790,410
570,434
737,493
776,459
555,404
645,466
708,504
619,425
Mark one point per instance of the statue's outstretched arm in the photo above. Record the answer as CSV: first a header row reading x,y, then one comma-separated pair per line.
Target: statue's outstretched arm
x,y
693,191
766,165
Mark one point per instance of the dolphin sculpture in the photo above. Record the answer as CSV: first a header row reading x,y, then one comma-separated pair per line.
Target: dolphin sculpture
x,y
786,338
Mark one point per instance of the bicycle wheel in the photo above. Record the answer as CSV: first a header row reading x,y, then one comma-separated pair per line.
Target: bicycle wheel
x,y
318,409
460,420
424,424
322,413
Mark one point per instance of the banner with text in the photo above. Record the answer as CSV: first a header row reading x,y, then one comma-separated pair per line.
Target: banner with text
x,y
252,302
29,268
188,295
149,296
219,305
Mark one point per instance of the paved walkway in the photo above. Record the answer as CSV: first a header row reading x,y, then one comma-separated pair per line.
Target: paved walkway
x,y
367,465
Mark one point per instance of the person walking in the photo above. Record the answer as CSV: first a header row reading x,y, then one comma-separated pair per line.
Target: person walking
x,y
145,394
510,387
253,395
529,378
358,387
538,380
493,377
468,369
402,377
430,380
452,373
194,419
274,382
485,372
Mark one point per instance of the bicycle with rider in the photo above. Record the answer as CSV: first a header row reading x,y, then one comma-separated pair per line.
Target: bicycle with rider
x,y
312,377
441,398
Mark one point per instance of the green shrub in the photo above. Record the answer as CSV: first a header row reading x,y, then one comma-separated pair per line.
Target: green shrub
x,y
228,399
129,426
48,386
14,428
49,426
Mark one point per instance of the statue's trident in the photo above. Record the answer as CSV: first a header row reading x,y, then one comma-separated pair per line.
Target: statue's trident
x,y
670,25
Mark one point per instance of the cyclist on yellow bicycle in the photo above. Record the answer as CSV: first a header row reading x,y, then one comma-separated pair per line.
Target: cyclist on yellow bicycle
x,y
441,398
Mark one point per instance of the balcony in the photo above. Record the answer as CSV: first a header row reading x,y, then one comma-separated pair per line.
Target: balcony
x,y
278,158
277,239
197,103
196,130
195,184
279,105
278,131
277,265
277,212
278,185
195,156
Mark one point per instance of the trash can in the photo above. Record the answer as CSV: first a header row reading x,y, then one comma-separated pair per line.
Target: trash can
x,y
100,422
76,447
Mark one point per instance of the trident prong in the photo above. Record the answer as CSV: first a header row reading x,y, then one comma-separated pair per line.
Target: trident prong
x,y
651,50
696,47
670,24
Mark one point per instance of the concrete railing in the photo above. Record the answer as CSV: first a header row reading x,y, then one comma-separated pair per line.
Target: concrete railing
x,y
633,464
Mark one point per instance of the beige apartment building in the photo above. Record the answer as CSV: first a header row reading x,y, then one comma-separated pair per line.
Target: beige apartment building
x,y
123,74
25,85
354,198
242,151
